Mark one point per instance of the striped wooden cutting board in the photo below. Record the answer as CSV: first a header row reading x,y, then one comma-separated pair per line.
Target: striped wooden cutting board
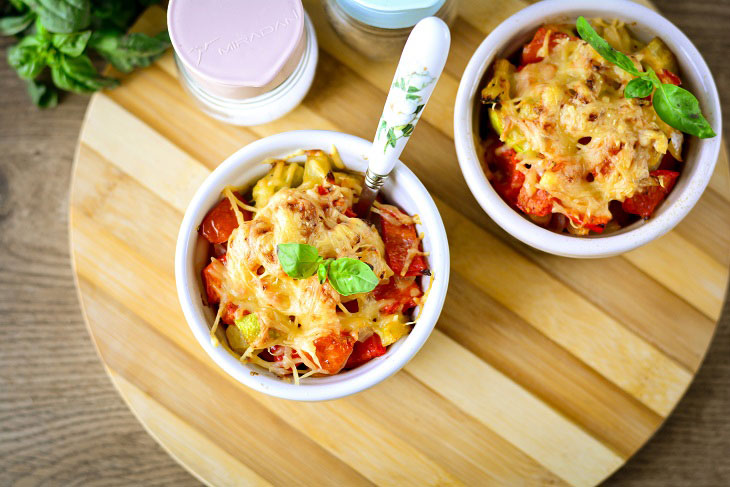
x,y
542,370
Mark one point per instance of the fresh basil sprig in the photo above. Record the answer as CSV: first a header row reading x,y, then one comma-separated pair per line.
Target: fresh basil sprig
x,y
346,275
57,37
676,106
62,16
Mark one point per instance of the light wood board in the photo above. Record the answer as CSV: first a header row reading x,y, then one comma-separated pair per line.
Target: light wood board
x,y
541,370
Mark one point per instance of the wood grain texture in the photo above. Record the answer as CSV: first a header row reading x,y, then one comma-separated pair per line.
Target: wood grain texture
x,y
62,423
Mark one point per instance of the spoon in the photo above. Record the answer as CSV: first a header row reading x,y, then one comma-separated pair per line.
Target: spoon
x,y
418,71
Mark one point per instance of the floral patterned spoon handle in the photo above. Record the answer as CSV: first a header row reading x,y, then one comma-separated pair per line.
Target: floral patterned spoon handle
x,y
419,68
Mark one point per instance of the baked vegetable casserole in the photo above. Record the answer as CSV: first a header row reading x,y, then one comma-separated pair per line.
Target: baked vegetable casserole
x,y
563,144
300,284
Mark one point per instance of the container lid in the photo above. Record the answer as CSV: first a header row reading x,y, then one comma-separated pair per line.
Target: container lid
x,y
390,14
236,42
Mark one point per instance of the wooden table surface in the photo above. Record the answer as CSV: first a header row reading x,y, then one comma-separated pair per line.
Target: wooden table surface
x,y
62,422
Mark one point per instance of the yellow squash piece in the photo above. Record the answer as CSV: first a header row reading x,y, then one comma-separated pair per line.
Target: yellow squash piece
x,y
282,175
316,168
391,329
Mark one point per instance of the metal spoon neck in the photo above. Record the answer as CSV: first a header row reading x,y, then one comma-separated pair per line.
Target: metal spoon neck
x,y
374,181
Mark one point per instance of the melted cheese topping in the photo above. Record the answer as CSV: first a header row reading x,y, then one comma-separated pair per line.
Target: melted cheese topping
x,y
580,139
295,312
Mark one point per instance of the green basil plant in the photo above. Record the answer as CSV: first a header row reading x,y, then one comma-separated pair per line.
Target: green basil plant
x,y
55,38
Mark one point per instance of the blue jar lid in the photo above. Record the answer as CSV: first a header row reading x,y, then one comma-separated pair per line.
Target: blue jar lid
x,y
390,14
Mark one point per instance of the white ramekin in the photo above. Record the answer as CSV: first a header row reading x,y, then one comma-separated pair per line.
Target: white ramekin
x,y
701,154
244,167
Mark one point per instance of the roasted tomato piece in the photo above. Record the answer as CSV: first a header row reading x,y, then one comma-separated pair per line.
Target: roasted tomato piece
x,y
273,352
539,204
229,314
506,179
668,163
265,355
593,223
644,203
399,239
365,351
400,295
333,351
220,221
349,213
352,306
668,77
531,49
619,215
212,281
596,228
558,222
219,251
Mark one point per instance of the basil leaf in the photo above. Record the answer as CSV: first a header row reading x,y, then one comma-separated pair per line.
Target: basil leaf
x,y
638,88
298,260
13,25
586,32
249,327
680,109
18,4
78,74
42,94
41,33
28,57
127,52
351,276
62,16
113,13
71,44
322,271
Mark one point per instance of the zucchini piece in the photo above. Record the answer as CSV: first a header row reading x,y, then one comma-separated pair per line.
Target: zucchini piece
x,y
658,57
498,88
245,332
235,339
282,175
514,139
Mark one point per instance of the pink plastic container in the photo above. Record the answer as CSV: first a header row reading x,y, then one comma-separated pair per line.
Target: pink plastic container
x,y
244,61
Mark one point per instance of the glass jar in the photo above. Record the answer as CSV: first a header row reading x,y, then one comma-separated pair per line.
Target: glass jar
x,y
245,62
378,29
